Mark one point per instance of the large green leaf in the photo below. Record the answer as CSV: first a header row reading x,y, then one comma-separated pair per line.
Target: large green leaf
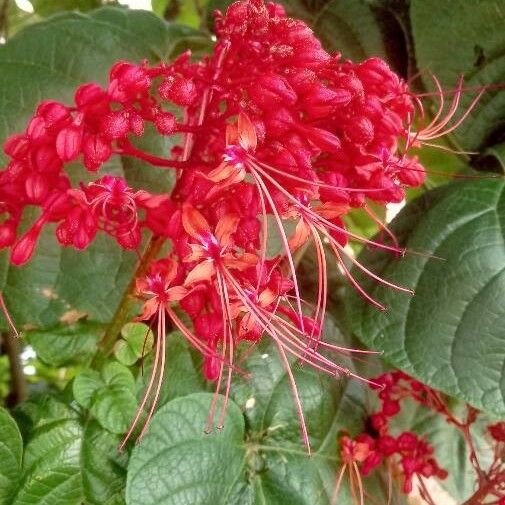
x,y
11,451
450,335
178,463
65,462
49,60
64,344
261,461
51,472
462,38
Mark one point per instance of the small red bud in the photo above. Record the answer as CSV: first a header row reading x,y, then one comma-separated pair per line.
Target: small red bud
x,y
36,187
166,123
7,233
23,249
17,146
68,143
115,125
178,90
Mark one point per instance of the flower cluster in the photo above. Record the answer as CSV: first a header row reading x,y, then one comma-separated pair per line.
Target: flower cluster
x,y
273,130
409,452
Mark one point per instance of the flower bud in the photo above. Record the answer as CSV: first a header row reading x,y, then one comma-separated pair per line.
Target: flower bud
x,y
115,125
7,233
17,146
166,123
36,187
69,142
178,90
53,113
23,249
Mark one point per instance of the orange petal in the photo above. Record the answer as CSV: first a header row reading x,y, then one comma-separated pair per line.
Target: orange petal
x,y
176,293
204,271
221,173
247,133
331,210
197,253
243,262
246,324
151,306
171,267
231,134
300,236
225,227
267,297
235,308
193,222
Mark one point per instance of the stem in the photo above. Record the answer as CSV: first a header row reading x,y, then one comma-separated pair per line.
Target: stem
x,y
128,149
481,493
122,314
18,387
3,18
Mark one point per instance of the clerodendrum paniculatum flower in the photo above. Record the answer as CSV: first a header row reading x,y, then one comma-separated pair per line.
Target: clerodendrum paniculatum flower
x,y
274,129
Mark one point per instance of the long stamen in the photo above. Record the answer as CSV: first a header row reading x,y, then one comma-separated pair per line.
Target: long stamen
x,y
284,240
225,304
315,218
154,372
315,183
338,484
162,337
7,315
296,395
360,484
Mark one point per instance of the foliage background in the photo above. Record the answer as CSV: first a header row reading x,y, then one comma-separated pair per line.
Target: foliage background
x,y
69,403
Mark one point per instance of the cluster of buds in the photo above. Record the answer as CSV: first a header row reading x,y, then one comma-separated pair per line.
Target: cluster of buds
x,y
410,454
273,129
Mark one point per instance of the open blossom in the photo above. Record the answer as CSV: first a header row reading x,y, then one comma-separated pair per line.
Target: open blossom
x,y
275,129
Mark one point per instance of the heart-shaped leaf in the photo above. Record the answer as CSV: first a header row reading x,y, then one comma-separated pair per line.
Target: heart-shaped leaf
x,y
136,342
450,334
260,461
178,463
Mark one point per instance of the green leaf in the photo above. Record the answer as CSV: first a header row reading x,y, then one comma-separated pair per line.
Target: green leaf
x,y
49,60
466,39
65,344
103,466
110,395
178,463
182,370
450,334
64,462
261,461
48,7
137,341
51,473
11,452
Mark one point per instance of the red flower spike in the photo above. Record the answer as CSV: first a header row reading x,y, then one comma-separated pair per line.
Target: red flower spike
x,y
273,129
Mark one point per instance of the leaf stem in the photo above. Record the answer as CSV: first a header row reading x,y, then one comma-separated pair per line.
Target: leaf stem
x,y
122,314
